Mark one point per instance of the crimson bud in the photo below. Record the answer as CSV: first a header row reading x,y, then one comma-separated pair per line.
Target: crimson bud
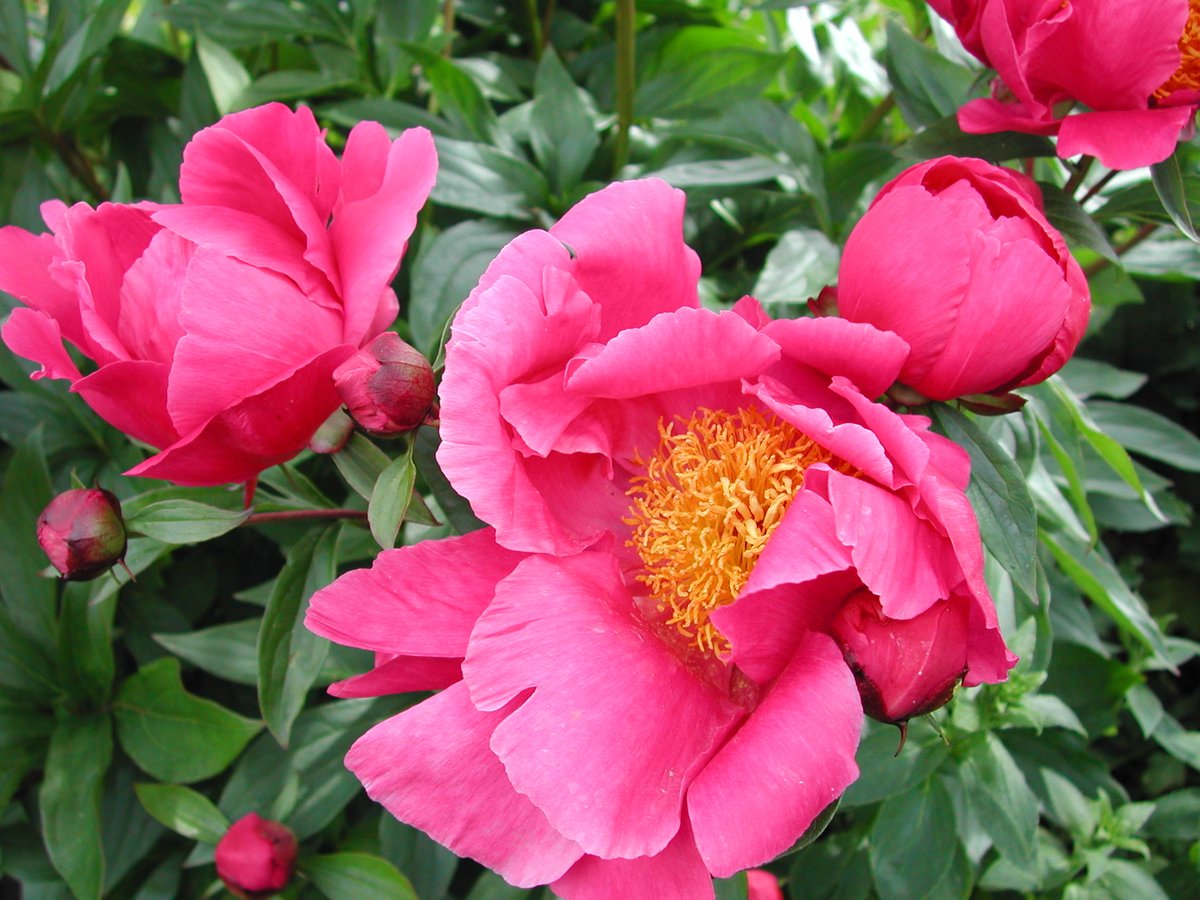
x,y
256,856
387,386
82,532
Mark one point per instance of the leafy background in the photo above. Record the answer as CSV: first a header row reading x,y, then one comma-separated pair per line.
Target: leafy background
x,y
138,718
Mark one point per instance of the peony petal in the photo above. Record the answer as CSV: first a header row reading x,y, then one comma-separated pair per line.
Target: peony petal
x,y
25,272
680,349
676,873
384,186
399,675
627,240
616,725
36,336
792,758
407,604
256,432
867,356
131,395
151,296
1125,139
431,767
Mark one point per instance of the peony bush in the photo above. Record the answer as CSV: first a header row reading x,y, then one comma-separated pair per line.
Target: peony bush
x,y
769,474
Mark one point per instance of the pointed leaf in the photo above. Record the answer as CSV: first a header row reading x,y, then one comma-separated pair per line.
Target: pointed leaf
x,y
184,811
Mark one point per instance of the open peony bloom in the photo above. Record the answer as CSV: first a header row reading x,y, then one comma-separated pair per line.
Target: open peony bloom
x,y
641,689
956,257
1115,79
216,324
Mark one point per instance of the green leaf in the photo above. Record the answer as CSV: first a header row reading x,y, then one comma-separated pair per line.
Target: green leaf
x,y
457,95
1172,192
883,773
290,656
14,37
483,179
80,753
798,266
361,463
86,663
93,36
927,86
734,888
184,521
228,651
908,827
722,172
1146,432
491,886
184,811
174,735
1092,378
429,866
1006,807
944,138
1065,214
446,269
1102,582
291,84
1164,728
998,493
356,876
390,499
227,77
561,129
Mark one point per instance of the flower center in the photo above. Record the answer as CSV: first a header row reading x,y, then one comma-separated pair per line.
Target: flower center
x,y
712,493
1187,76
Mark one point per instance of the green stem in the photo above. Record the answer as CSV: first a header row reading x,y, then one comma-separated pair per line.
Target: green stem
x,y
448,26
536,40
1078,175
873,119
626,15
289,515
1097,187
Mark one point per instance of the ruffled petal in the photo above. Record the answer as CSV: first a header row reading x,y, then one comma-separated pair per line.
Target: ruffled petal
x,y
431,767
36,336
616,725
792,758
870,358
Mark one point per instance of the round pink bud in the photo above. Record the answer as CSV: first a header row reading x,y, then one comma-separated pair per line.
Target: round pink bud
x,y
387,386
82,532
904,667
256,856
762,885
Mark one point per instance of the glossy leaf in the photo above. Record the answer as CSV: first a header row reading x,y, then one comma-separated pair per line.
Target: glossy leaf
x,y
356,876
184,811
390,499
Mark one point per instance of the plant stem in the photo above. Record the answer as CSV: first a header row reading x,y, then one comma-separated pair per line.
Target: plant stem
x,y
1125,246
77,164
448,26
1078,175
535,28
626,14
1097,187
873,119
289,515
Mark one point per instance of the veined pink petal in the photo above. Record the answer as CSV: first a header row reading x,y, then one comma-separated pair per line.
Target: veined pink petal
x,y
151,296
384,186
131,395
400,675
676,873
799,743
663,353
867,356
419,600
1125,139
585,745
627,240
256,432
36,336
431,767
25,272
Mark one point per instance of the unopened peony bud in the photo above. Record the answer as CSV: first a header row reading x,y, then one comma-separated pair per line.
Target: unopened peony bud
x,y
904,667
387,386
255,857
82,532
762,885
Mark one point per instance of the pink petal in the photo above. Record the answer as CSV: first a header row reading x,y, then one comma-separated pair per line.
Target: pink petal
x,y
792,758
36,336
246,329
399,675
255,433
384,186
681,349
867,356
431,767
983,115
151,296
616,725
25,272
627,240
1125,139
407,604
676,873
131,395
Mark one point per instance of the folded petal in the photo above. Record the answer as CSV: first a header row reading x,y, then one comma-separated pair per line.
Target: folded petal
x,y
431,767
586,747
867,356
1125,139
36,336
792,758
400,675
131,395
677,873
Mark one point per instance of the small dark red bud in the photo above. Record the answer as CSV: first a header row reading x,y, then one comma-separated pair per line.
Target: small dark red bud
x,y
825,303
387,386
256,856
82,532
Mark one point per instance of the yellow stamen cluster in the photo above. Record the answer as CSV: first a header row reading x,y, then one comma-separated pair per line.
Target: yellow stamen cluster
x,y
1187,76
712,493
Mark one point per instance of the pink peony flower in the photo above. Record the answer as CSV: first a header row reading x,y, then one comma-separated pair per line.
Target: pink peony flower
x,y
640,686
1113,79
215,325
256,856
996,301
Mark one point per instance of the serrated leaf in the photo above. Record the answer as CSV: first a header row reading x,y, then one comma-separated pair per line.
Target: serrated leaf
x,y
1171,187
174,735
184,521
184,811
390,499
80,753
348,876
290,656
998,493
